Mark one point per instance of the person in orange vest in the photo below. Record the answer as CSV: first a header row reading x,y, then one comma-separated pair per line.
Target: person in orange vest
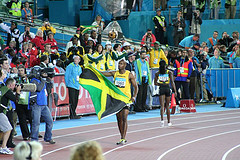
x,y
27,14
212,41
182,74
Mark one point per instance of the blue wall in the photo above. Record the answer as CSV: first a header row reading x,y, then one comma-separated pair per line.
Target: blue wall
x,y
138,22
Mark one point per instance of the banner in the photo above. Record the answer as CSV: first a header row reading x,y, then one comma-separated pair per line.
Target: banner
x,y
85,105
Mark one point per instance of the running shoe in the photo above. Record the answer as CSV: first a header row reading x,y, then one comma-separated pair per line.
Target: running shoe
x,y
5,151
122,141
162,123
169,124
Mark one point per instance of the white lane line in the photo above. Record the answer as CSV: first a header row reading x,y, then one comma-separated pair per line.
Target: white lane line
x,y
135,132
196,140
168,134
101,129
230,150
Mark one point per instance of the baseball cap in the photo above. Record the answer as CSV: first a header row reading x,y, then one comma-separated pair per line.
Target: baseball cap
x,y
126,44
158,10
157,43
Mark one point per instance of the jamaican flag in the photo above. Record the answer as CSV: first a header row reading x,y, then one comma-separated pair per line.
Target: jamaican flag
x,y
87,28
106,97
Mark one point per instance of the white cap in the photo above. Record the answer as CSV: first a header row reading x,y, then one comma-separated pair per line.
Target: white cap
x,y
126,44
108,42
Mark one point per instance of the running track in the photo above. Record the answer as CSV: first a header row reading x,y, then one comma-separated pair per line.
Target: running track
x,y
198,136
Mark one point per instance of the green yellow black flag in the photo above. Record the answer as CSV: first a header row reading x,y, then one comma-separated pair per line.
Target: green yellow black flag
x,y
106,97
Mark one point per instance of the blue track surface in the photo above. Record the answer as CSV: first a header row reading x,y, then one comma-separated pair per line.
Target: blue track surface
x,y
90,120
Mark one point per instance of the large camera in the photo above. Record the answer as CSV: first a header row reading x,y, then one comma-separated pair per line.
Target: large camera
x,y
26,87
200,57
49,71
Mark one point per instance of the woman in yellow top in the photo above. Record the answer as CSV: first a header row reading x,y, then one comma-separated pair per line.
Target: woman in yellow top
x,y
100,63
90,57
162,79
111,56
123,80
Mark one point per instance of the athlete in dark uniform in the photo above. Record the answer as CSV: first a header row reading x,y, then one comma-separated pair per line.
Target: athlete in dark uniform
x,y
162,79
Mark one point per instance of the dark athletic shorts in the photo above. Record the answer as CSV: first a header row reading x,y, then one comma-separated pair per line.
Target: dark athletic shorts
x,y
164,91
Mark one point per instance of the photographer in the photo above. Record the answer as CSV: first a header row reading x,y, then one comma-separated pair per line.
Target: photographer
x,y
46,28
179,28
195,27
6,112
204,66
27,35
225,40
111,56
148,39
39,105
23,111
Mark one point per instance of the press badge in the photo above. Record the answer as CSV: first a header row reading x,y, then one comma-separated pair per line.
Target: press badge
x,y
111,63
45,90
120,82
181,70
77,78
102,66
144,73
23,95
155,61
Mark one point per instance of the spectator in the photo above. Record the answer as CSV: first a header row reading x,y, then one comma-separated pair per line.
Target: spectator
x,y
39,106
10,55
28,150
60,66
160,26
24,54
201,6
196,23
204,67
230,9
72,42
148,39
48,52
50,40
38,40
117,49
143,78
44,61
182,74
1,43
216,61
189,41
46,27
156,55
215,6
237,59
161,4
15,8
75,50
225,40
97,38
13,32
33,55
212,41
90,150
72,74
84,40
111,56
179,28
188,7
12,45
232,56
27,35
100,23
27,14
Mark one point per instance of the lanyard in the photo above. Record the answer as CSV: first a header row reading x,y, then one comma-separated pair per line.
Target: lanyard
x,y
158,54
